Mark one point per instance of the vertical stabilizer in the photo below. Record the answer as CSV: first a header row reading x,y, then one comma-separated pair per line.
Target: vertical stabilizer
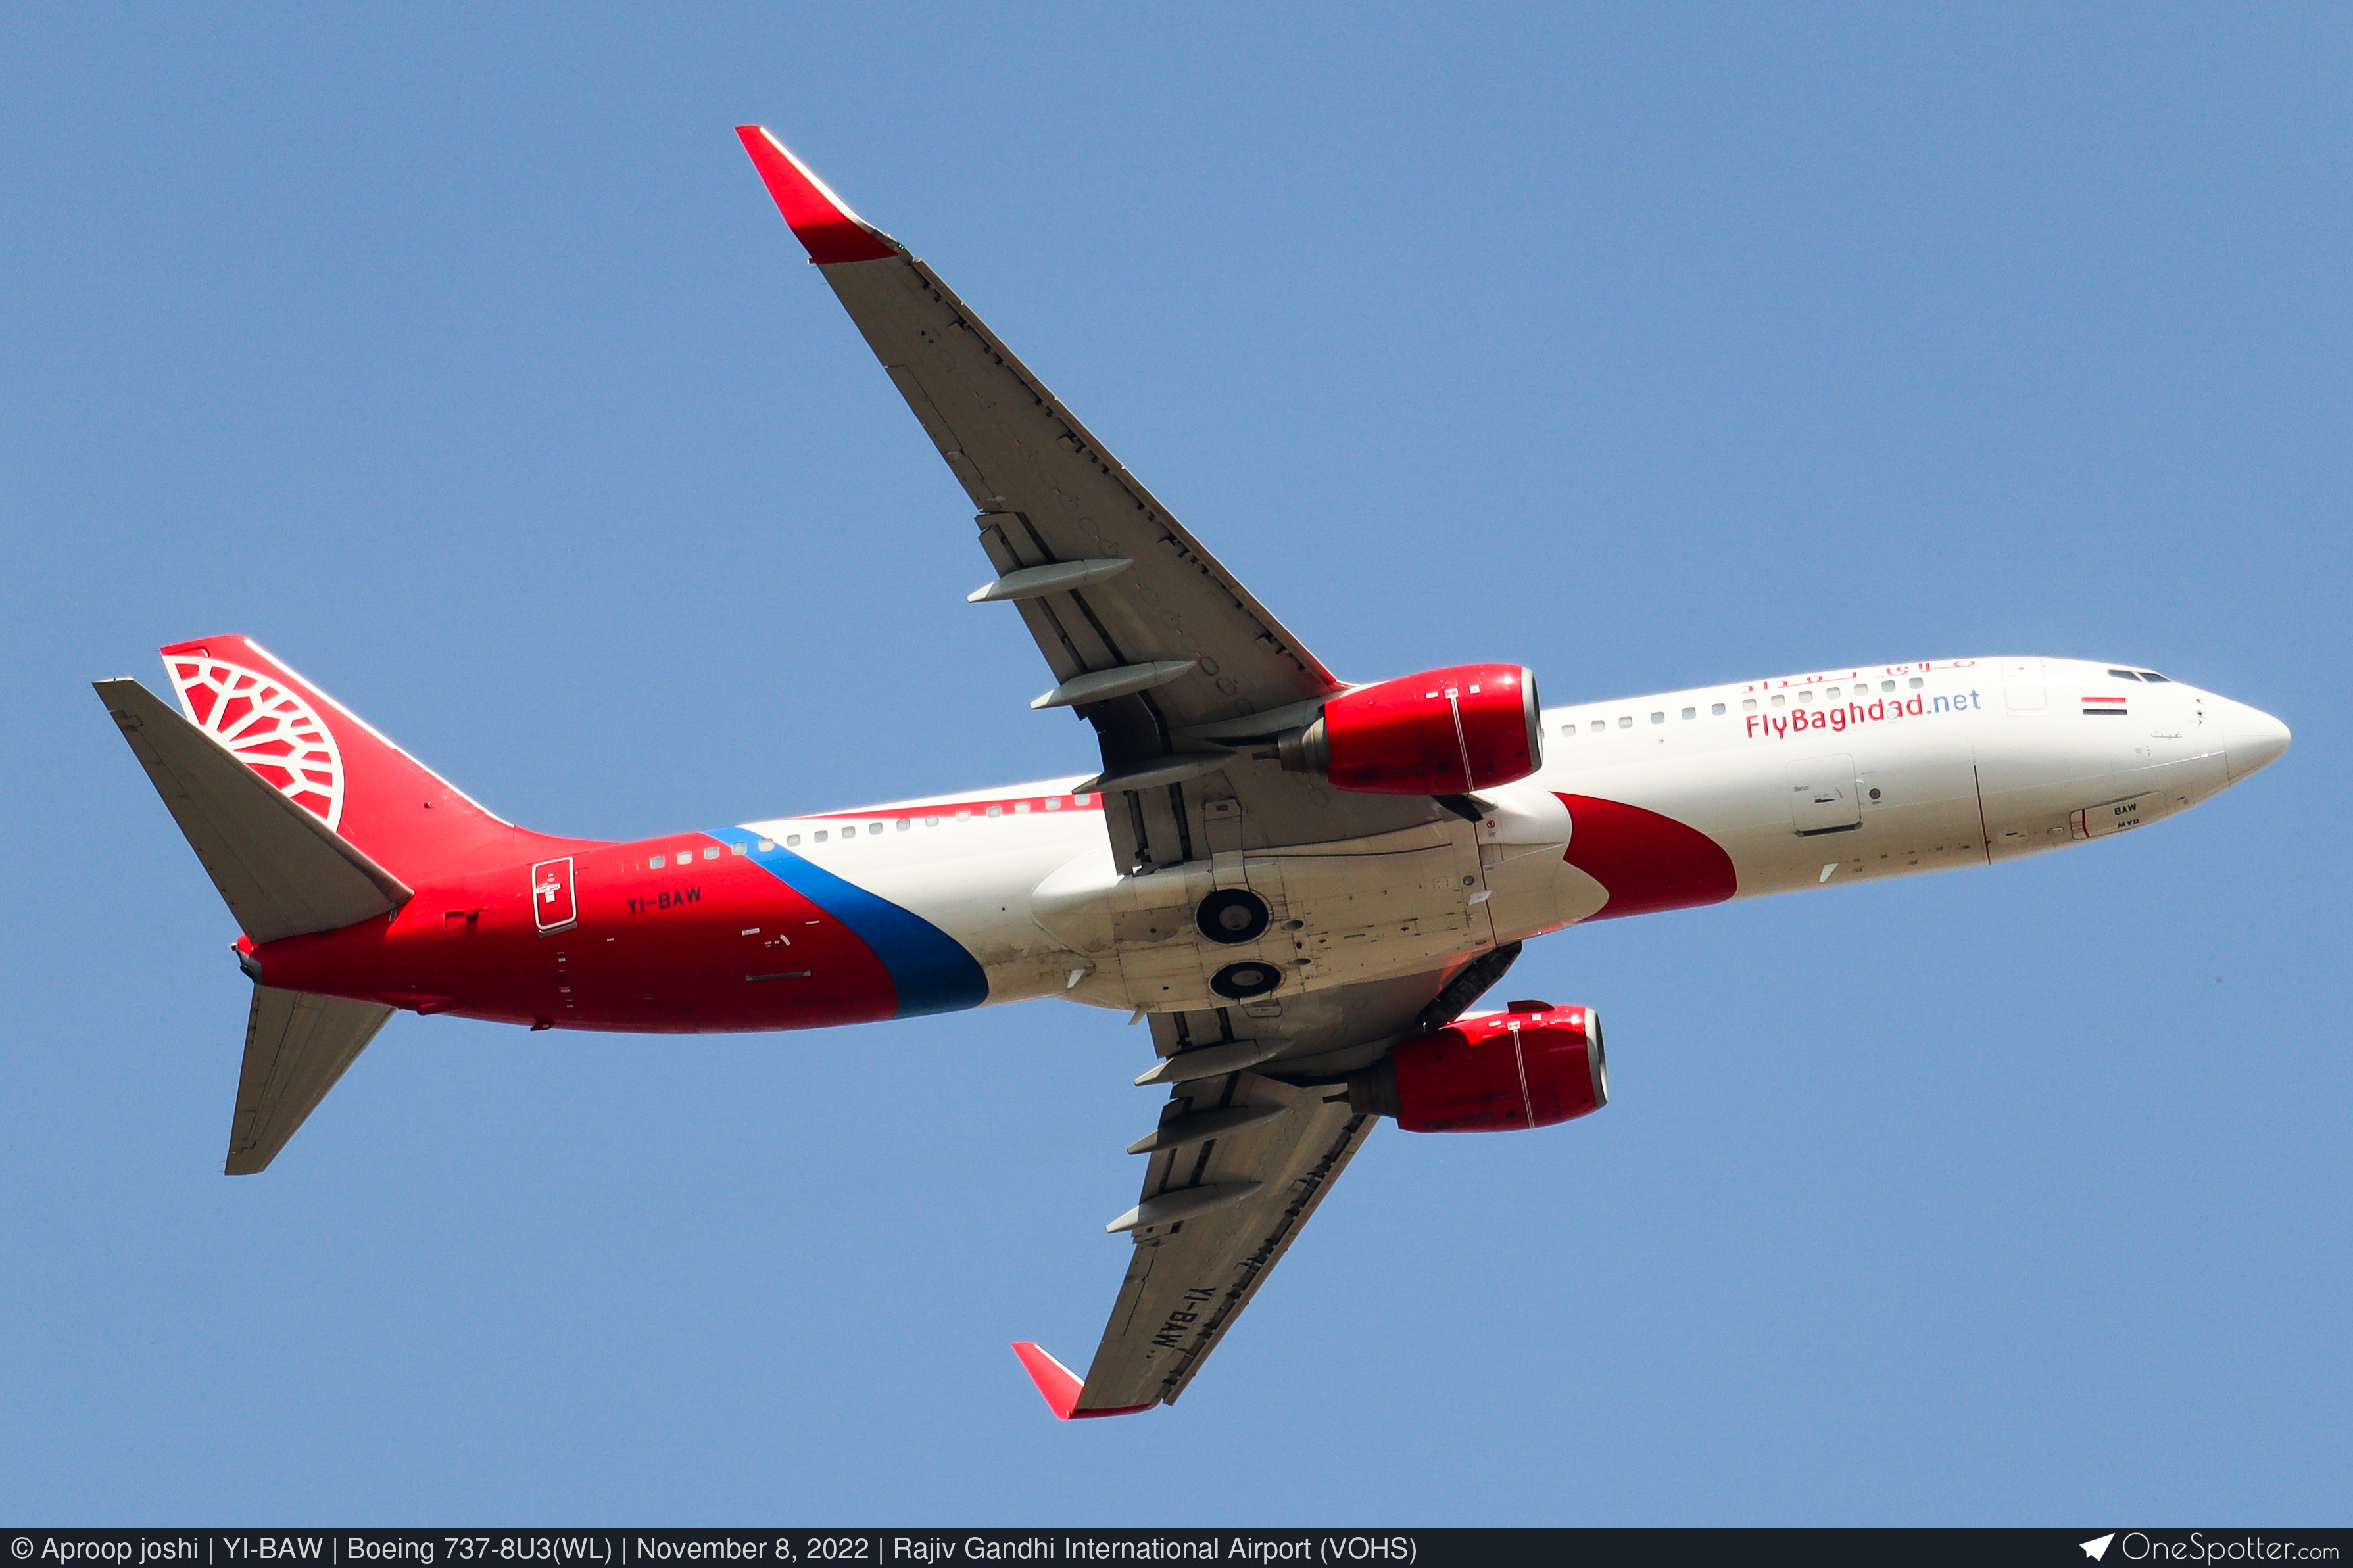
x,y
326,759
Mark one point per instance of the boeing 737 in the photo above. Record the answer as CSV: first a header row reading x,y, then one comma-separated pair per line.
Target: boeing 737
x,y
1302,883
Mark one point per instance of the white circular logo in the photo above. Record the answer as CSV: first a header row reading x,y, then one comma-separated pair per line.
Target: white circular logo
x,y
267,727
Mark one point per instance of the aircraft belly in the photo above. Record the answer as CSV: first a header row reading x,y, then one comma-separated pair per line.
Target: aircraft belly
x,y
983,902
1352,916
1521,847
1400,903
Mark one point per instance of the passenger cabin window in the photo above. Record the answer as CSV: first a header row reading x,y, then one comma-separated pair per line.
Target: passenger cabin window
x,y
1887,686
1748,705
820,835
1805,697
1778,701
1657,718
1625,721
655,862
1691,712
931,822
1717,708
1598,726
1916,683
905,822
792,840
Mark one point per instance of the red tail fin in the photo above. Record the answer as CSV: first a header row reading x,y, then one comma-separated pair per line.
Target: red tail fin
x,y
324,757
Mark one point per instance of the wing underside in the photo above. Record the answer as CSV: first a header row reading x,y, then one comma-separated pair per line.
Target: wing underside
x,y
1240,1160
1145,633
1188,1278
1188,680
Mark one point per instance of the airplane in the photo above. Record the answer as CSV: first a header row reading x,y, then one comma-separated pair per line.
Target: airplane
x,y
1302,884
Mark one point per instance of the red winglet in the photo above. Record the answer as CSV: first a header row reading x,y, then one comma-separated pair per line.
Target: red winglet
x,y
819,219
1062,1386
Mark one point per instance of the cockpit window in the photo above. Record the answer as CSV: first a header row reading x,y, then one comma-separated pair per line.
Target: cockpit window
x,y
2124,675
2153,678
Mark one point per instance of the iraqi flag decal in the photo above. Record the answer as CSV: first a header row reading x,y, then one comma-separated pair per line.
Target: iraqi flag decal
x,y
2113,707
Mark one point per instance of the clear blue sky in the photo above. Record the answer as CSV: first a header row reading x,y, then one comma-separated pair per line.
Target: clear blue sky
x,y
456,354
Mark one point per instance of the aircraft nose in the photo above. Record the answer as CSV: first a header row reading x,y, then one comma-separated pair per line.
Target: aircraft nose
x,y
2252,738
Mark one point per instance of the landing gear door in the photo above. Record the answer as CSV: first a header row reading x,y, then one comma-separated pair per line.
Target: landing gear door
x,y
1823,797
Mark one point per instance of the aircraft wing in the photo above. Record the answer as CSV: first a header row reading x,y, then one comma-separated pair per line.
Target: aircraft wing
x,y
1238,1163
1192,1270
1146,633
1187,680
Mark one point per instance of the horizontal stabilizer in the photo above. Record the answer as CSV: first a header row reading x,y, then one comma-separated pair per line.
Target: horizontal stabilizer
x,y
282,871
296,1047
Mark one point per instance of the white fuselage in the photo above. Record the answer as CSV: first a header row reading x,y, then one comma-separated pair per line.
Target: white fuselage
x,y
1659,802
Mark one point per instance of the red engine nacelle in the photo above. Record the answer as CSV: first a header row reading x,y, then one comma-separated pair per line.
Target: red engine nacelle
x,y
1497,1072
1444,731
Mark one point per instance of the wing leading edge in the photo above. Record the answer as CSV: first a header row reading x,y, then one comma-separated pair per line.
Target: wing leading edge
x,y
1183,673
1049,492
1192,1272
1147,635
1239,1164
1196,1264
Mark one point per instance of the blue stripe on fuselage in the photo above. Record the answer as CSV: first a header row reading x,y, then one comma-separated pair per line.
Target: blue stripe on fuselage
x,y
929,969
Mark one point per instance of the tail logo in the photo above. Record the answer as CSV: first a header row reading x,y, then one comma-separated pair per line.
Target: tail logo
x,y
267,727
